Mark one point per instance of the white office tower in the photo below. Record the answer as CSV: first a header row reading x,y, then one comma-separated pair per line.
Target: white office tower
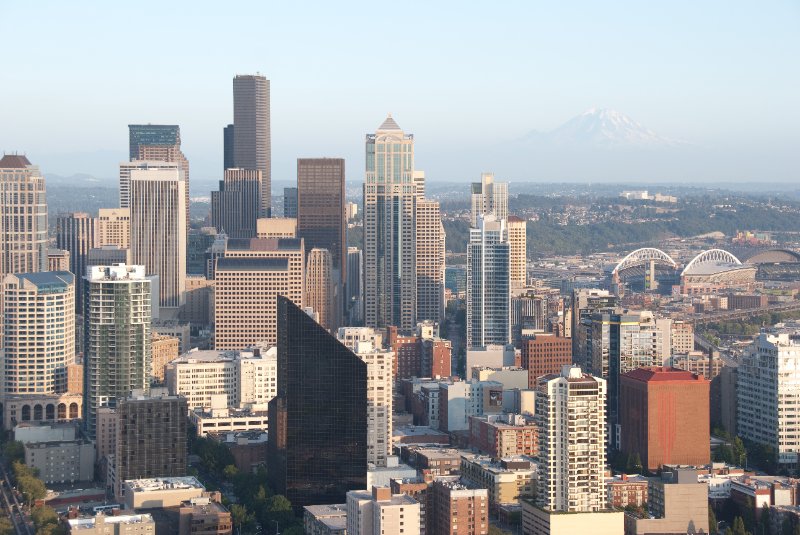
x,y
158,231
488,284
768,392
366,343
489,197
571,418
118,346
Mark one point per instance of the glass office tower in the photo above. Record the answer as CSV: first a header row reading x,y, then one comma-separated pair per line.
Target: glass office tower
x,y
318,421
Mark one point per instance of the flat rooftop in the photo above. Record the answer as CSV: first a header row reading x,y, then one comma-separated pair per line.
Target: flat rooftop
x,y
88,523
164,483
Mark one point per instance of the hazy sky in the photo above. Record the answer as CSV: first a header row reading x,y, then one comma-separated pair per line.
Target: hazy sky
x,y
722,75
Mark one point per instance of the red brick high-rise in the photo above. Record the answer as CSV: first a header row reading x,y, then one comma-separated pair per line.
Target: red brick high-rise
x,y
545,354
664,415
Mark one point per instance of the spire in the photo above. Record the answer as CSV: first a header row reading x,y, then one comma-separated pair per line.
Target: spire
x,y
389,124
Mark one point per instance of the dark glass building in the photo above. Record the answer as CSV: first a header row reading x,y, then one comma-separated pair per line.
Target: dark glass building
x,y
317,447
289,202
152,134
235,207
320,207
227,141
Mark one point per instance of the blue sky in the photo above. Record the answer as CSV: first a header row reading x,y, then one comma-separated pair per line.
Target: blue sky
x,y
467,78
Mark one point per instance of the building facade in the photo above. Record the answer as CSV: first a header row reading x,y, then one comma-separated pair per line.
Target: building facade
x,y
158,232
390,195
518,263
252,145
430,261
118,343
489,197
321,293
236,206
317,448
488,284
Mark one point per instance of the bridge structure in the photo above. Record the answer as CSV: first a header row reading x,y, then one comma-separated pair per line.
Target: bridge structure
x,y
643,262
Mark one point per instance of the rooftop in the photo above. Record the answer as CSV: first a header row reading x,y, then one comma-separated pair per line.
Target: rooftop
x,y
215,355
164,483
88,523
14,161
252,264
663,373
48,280
389,124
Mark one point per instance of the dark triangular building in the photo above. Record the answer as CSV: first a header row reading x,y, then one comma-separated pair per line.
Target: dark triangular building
x,y
317,447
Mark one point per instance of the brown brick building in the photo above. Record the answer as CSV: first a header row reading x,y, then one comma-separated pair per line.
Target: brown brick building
x,y
545,354
505,435
664,415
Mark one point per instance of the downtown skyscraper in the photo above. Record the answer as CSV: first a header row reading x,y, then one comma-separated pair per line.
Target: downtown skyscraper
x,y
488,284
23,217
252,148
117,336
235,207
390,195
317,449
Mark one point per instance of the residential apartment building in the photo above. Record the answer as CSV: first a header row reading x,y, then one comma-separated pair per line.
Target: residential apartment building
x,y
489,197
380,512
430,243
488,284
518,263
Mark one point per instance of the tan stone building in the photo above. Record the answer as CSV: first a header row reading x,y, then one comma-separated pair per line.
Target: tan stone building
x,y
430,261
199,306
114,227
506,480
276,227
517,239
320,288
123,524
380,512
164,350
57,260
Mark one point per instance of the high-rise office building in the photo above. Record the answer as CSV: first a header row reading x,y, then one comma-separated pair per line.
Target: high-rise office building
x,y
290,202
489,197
390,195
118,344
113,228
76,232
529,314
235,207
151,438
570,415
159,142
158,231
517,236
363,342
320,288
23,218
664,417
227,143
245,307
488,284
355,285
38,332
585,302
317,448
125,169
430,261
320,207
544,354
252,147
621,342
768,405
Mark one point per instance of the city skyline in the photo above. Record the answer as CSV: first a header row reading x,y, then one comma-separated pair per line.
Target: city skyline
x,y
718,83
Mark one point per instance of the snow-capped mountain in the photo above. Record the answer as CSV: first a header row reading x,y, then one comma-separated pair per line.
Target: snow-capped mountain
x,y
606,129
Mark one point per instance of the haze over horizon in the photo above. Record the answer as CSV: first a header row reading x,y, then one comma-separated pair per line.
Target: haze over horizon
x,y
695,92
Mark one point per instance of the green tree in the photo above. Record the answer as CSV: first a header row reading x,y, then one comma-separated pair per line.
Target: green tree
x,y
241,518
712,522
7,528
13,450
738,527
230,472
43,515
280,510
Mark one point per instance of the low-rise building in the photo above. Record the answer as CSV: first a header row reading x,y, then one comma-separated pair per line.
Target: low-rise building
x,y
437,461
249,448
122,524
504,435
204,516
455,509
62,461
164,349
241,376
161,492
506,480
509,376
379,512
678,503
219,418
627,490
325,519
459,400
538,521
